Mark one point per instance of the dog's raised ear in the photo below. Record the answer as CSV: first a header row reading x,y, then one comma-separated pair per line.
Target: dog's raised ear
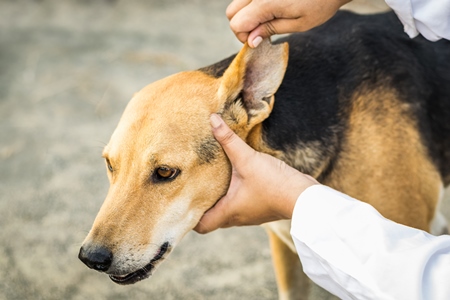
x,y
248,85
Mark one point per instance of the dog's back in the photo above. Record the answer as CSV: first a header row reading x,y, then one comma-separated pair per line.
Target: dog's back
x,y
352,55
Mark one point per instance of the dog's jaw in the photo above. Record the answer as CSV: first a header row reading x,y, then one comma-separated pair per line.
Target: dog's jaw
x,y
144,272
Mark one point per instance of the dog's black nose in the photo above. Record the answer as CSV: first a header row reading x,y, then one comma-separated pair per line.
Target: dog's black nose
x,y
97,258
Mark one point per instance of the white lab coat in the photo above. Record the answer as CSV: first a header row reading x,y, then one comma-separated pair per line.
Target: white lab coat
x,y
431,18
349,249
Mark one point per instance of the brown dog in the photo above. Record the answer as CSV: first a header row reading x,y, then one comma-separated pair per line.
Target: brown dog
x,y
360,106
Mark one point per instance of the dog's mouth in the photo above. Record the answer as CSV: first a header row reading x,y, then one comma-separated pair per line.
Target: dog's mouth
x,y
144,272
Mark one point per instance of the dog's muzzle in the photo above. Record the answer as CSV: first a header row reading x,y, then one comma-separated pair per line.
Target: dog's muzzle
x,y
100,259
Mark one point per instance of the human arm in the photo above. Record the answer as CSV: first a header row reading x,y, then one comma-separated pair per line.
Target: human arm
x,y
431,18
252,21
349,249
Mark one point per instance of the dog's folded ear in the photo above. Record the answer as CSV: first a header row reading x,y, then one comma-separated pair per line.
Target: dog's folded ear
x,y
248,85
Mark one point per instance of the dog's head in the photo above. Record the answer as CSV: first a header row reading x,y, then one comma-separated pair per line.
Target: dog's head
x,y
164,166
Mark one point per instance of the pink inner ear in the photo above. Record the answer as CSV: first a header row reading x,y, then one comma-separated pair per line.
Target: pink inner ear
x,y
264,72
256,74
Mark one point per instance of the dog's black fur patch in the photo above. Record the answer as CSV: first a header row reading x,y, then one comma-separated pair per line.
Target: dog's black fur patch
x,y
329,63
207,150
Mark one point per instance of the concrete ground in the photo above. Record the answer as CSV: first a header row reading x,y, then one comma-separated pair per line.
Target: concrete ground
x,y
67,70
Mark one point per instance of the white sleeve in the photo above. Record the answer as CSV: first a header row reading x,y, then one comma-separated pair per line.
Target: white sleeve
x,y
431,18
349,249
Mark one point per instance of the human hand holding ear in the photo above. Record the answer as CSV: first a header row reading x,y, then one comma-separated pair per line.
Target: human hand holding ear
x,y
254,20
262,188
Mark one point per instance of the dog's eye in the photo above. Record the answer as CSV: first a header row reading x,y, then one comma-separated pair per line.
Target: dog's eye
x,y
108,164
165,174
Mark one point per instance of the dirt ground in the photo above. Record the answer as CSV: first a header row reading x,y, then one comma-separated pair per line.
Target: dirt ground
x,y
67,70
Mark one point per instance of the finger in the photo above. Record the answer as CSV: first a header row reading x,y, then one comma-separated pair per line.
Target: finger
x,y
242,36
277,26
236,149
213,219
236,6
249,17
203,226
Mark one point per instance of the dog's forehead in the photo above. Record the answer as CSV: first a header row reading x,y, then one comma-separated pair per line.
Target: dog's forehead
x,y
168,114
179,92
177,98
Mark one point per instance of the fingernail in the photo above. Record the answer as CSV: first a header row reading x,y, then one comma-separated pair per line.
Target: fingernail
x,y
215,120
256,41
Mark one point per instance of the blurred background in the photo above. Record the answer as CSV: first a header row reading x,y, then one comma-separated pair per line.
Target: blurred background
x,y
67,70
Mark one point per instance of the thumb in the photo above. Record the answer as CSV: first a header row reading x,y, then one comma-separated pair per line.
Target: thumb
x,y
263,31
236,149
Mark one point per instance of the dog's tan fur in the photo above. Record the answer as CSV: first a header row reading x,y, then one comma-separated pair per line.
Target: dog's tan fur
x,y
375,141
167,124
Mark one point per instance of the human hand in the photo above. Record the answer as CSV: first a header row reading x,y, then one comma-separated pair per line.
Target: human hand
x,y
252,21
262,188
